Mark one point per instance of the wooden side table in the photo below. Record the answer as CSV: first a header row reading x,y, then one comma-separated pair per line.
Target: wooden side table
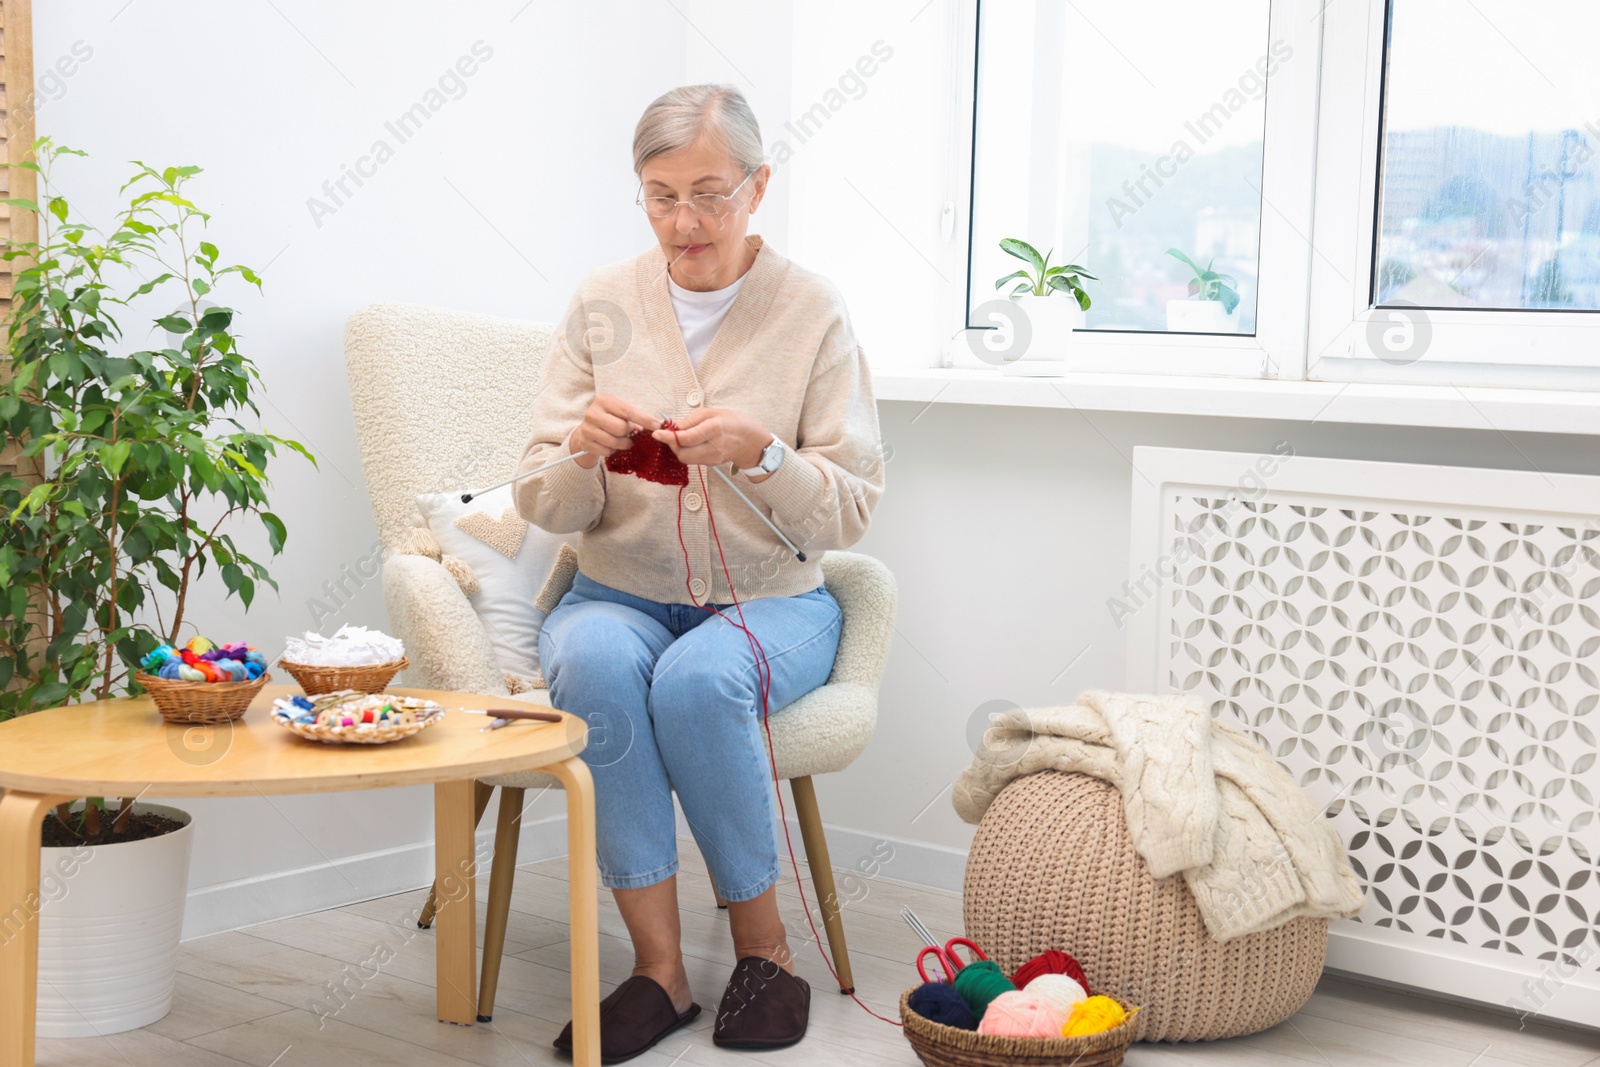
x,y
117,748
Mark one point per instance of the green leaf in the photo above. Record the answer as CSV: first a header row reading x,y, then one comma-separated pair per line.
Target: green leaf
x,y
23,202
175,324
58,208
276,533
1022,250
1011,277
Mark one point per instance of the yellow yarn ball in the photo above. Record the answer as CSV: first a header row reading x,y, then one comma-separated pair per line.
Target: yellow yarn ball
x,y
200,645
1094,1016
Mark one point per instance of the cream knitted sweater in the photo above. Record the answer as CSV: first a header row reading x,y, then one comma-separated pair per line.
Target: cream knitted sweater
x,y
1203,799
786,356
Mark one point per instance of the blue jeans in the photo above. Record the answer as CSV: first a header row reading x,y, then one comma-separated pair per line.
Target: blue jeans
x,y
672,700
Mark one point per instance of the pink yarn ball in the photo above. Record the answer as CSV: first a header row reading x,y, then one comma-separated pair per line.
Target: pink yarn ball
x,y
1021,1014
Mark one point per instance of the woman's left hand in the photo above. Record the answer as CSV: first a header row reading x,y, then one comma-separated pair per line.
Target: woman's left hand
x,y
715,436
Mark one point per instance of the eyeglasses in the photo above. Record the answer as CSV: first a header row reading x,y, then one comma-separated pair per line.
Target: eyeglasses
x,y
710,204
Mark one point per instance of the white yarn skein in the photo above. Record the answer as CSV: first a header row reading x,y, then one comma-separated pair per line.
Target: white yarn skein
x,y
1060,991
352,646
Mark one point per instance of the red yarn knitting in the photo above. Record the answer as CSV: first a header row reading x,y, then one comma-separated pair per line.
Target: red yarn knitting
x,y
650,459
1050,961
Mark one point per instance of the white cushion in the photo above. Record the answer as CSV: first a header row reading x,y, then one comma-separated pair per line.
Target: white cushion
x,y
507,585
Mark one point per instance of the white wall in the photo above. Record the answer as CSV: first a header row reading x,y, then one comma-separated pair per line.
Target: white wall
x,y
1008,529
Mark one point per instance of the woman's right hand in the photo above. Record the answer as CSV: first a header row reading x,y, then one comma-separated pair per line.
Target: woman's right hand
x,y
607,428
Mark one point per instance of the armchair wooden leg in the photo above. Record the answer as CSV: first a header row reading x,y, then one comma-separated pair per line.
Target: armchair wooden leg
x,y
805,809
480,802
506,832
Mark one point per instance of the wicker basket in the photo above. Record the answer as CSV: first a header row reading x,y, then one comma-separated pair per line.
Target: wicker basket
x,y
372,678
428,713
938,1045
202,703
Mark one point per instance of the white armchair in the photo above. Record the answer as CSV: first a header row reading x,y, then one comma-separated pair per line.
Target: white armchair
x,y
443,400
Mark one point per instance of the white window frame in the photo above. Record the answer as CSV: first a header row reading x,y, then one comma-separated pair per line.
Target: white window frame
x,y
1529,349
1318,239
1277,349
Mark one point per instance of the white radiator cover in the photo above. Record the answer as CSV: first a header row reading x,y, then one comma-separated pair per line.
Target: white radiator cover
x,y
1418,646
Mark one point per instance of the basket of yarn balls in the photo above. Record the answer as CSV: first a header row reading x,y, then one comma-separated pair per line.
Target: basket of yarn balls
x,y
1044,1015
203,682
354,658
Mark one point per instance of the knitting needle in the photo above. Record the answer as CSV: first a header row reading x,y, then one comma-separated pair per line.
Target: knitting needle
x,y
466,498
799,555
916,924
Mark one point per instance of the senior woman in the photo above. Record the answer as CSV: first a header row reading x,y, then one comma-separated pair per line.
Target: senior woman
x,y
753,359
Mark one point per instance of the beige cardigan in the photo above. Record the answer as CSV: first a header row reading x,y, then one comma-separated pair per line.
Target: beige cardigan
x,y
786,356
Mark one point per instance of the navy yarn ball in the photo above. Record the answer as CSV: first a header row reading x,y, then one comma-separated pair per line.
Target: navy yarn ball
x,y
939,1002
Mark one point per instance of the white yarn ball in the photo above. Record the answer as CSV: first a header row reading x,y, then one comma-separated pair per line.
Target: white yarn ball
x,y
1060,991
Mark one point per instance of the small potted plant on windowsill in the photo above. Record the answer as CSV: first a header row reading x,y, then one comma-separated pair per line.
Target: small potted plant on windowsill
x,y
1213,303
1043,351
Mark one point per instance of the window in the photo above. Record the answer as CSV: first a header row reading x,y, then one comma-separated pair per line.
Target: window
x,y
1159,162
1457,201
1488,192
1399,190
1111,145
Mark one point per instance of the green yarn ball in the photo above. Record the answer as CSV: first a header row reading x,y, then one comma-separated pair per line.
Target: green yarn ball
x,y
980,982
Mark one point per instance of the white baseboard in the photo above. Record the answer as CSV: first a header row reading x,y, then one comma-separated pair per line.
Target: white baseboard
x,y
225,906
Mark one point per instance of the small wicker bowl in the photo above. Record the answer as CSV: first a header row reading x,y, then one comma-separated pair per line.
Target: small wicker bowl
x,y
428,713
938,1045
200,703
372,678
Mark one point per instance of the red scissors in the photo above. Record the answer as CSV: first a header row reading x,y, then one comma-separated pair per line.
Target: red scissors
x,y
949,962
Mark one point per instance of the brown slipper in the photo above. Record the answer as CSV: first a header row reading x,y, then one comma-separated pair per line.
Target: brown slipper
x,y
635,1015
764,1006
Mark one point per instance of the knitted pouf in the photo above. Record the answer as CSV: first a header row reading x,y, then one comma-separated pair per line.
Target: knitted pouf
x,y
1053,866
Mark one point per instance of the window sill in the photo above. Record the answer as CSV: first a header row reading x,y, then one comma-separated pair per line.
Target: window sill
x,y
1360,403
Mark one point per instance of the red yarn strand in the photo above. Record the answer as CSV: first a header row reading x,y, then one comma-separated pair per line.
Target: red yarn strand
x,y
764,683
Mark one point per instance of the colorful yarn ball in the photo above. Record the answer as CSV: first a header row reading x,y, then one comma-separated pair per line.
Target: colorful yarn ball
x,y
1095,1015
157,658
203,660
1059,990
980,982
940,1003
1022,1014
1050,961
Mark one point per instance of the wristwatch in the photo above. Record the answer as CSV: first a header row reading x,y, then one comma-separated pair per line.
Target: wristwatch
x,y
771,456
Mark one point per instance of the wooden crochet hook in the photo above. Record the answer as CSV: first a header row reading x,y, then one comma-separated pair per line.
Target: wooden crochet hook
x,y
505,716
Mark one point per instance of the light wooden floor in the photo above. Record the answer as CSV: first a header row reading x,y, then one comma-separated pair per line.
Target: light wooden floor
x,y
247,997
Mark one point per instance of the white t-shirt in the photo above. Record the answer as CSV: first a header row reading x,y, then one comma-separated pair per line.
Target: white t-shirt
x,y
699,314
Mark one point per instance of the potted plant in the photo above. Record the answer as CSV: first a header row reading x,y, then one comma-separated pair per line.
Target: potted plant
x,y
145,465
1213,302
1042,347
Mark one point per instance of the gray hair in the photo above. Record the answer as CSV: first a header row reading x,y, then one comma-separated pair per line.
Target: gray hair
x,y
679,117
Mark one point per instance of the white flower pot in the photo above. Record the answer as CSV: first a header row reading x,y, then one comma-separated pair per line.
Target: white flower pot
x,y
109,922
1201,316
1050,321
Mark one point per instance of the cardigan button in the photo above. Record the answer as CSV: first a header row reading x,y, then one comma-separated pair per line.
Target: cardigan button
x,y
692,501
697,586
693,398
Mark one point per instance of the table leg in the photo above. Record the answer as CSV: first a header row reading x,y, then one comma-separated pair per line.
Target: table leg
x,y
20,817
455,885
583,910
